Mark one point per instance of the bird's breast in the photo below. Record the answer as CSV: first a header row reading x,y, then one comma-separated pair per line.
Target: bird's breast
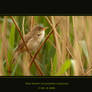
x,y
33,44
41,36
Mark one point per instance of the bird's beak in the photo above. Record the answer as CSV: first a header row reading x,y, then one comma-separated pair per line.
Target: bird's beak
x,y
45,28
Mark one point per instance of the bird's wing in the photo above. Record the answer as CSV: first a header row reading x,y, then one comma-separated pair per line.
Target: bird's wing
x,y
26,38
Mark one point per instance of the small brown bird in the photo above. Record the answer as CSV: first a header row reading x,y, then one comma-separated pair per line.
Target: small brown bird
x,y
32,40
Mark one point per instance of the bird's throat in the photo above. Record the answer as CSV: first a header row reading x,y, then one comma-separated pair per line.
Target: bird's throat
x,y
42,36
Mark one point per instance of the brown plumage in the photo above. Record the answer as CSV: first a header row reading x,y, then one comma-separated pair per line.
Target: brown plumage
x,y
32,40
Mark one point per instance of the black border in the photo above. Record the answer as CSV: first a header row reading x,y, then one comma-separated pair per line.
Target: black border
x,y
22,82
38,7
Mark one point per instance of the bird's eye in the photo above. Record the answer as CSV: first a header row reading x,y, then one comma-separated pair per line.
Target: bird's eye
x,y
38,34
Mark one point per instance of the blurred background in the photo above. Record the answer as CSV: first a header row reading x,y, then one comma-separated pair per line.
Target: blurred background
x,y
66,52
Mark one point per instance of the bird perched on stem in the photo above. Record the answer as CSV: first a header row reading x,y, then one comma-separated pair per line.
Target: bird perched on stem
x,y
32,40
